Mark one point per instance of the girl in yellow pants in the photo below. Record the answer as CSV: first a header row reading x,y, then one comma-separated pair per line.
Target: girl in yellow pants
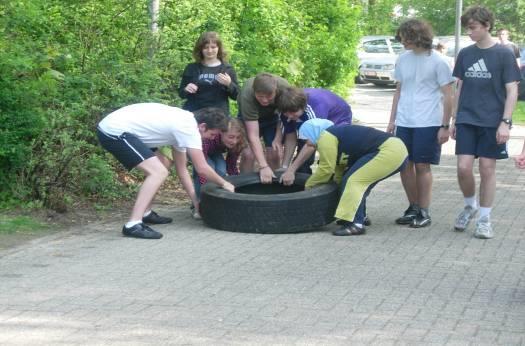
x,y
356,156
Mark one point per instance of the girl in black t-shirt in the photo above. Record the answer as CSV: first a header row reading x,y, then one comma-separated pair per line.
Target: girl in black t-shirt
x,y
209,81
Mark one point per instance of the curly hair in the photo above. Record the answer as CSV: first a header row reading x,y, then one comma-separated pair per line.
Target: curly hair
x,y
479,14
416,32
204,39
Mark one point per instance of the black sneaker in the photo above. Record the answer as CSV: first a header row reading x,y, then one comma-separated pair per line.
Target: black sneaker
x,y
366,221
422,219
141,230
349,229
156,219
409,215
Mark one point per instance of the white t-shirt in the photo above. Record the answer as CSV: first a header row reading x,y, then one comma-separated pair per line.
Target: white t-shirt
x,y
155,125
421,77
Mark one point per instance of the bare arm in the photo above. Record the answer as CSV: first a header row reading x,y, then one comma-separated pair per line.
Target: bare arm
x,y
252,132
503,133
393,112
184,176
277,143
202,167
288,177
454,112
520,159
290,143
448,99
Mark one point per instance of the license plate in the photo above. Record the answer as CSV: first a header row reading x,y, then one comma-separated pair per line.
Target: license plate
x,y
370,73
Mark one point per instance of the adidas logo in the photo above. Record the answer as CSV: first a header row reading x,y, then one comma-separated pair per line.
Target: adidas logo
x,y
478,70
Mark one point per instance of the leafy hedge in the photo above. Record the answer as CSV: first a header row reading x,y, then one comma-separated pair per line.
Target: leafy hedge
x,y
65,64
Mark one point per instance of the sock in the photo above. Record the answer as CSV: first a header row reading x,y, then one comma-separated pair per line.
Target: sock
x,y
132,223
414,206
484,212
147,213
471,201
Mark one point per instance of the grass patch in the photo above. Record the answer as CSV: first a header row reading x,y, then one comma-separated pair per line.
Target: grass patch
x,y
20,224
518,117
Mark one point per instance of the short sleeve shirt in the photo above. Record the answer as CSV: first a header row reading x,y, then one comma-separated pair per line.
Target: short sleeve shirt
x,y
484,73
421,77
250,109
155,125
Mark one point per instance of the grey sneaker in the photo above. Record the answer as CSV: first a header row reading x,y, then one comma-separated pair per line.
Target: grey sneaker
x,y
483,229
196,215
464,218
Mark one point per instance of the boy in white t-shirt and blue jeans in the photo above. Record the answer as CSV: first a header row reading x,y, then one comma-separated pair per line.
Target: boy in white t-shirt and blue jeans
x,y
420,115
133,133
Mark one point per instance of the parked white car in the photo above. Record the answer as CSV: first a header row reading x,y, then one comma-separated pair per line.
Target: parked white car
x,y
379,71
377,58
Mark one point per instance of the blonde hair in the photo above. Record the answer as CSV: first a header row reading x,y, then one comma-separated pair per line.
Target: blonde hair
x,y
236,125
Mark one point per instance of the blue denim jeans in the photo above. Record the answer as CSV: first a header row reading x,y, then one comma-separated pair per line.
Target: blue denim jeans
x,y
218,163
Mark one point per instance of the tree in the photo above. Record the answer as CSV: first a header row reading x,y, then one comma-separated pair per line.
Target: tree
x,y
441,14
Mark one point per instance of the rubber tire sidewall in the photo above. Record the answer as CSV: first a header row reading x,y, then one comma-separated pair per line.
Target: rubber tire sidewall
x,y
277,213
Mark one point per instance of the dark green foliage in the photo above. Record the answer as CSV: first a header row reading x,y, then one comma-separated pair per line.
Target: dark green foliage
x,y
65,64
441,14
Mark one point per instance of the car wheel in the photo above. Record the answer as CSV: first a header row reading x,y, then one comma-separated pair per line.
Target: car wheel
x,y
268,208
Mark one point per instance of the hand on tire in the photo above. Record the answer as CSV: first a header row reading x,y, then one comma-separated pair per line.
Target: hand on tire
x,y
266,175
287,178
228,186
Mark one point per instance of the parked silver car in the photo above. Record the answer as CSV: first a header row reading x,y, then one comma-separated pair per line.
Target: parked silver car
x,y
377,58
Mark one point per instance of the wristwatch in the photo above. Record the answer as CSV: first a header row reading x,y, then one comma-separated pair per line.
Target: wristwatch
x,y
445,126
507,121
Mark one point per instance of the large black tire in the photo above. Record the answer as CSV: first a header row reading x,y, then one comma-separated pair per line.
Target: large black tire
x,y
287,210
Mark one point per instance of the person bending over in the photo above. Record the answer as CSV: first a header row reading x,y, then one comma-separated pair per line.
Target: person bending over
x,y
133,133
296,106
358,157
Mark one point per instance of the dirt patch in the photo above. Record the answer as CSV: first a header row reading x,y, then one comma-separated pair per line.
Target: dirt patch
x,y
82,213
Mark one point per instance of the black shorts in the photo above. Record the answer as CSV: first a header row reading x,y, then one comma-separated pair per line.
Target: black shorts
x,y
479,142
127,148
267,129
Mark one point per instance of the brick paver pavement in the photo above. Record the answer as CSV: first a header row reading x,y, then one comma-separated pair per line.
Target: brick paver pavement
x,y
394,285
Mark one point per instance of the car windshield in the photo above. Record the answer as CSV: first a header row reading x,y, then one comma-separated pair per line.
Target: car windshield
x,y
376,46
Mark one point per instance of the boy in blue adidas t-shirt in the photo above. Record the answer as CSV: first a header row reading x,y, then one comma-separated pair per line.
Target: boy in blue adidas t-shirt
x,y
486,96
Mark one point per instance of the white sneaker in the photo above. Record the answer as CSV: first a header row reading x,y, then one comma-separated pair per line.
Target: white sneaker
x,y
464,218
483,229
196,215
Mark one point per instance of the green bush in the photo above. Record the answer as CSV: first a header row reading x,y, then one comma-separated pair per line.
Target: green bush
x,y
65,64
